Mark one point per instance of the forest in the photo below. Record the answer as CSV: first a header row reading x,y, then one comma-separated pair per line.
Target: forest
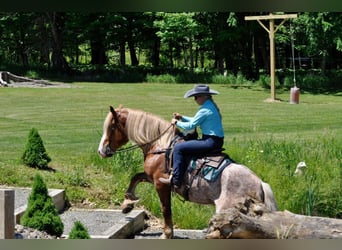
x,y
127,46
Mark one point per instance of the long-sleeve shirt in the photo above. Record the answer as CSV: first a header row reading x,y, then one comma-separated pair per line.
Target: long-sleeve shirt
x,y
207,118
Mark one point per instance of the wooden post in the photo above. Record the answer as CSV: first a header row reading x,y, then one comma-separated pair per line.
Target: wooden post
x,y
271,31
272,60
6,213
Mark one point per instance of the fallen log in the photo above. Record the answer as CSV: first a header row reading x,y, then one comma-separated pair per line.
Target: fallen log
x,y
256,222
7,77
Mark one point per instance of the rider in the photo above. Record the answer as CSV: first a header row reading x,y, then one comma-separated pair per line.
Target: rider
x,y
208,118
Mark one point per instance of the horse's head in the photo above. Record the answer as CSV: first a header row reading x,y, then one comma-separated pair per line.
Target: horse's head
x,y
114,132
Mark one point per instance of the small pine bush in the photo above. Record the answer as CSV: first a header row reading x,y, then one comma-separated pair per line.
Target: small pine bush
x,y
35,154
41,213
79,231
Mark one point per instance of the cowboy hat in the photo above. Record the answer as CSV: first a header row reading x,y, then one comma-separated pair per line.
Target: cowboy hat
x,y
200,89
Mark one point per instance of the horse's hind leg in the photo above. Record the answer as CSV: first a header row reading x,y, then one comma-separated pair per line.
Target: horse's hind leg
x,y
130,198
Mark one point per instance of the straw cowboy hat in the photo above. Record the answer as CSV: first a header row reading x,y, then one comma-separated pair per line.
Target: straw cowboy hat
x,y
200,89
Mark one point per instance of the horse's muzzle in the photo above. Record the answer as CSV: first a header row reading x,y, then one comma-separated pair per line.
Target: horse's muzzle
x,y
108,152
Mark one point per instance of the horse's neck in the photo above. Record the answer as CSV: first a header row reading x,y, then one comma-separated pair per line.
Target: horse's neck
x,y
147,130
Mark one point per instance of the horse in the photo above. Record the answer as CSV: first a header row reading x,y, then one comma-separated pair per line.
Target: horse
x,y
153,135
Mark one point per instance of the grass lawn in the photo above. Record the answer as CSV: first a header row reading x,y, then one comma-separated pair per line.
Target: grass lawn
x,y
270,138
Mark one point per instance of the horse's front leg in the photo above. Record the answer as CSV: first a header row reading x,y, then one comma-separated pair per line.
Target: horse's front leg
x,y
130,198
164,192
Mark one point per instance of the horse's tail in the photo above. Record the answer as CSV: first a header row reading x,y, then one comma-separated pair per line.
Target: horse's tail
x,y
269,199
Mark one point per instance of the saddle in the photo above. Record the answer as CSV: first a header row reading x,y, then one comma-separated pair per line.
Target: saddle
x,y
208,166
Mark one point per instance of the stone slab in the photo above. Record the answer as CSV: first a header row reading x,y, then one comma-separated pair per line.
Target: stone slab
x,y
178,234
105,223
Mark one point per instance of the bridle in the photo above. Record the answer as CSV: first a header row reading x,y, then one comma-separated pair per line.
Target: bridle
x,y
116,124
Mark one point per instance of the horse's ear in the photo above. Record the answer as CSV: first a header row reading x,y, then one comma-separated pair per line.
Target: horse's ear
x,y
113,112
111,109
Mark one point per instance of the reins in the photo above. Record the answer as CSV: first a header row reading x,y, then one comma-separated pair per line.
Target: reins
x,y
135,146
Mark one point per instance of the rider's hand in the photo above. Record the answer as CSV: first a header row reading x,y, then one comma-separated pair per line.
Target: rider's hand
x,y
177,116
174,121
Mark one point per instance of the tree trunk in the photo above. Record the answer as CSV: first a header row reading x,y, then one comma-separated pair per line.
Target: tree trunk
x,y
122,52
57,25
98,52
191,55
131,47
255,222
156,52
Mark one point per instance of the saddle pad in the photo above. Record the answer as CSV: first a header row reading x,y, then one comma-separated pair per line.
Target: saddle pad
x,y
205,169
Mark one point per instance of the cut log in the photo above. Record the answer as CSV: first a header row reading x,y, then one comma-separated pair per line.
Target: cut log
x,y
255,222
7,77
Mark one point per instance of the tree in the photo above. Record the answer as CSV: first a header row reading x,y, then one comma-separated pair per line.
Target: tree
x,y
35,154
178,31
319,35
41,213
79,231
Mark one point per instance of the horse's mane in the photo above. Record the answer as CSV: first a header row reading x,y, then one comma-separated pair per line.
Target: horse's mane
x,y
143,127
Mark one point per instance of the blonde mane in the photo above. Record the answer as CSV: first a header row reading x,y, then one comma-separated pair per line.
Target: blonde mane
x,y
143,127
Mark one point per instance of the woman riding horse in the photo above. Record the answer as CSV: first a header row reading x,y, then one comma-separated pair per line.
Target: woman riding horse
x,y
208,118
153,136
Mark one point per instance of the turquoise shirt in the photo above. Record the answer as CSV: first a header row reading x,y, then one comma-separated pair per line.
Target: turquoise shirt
x,y
207,118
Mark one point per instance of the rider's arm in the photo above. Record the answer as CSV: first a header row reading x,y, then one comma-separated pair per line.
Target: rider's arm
x,y
189,123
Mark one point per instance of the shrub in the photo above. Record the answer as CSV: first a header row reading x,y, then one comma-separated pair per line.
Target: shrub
x,y
229,79
265,81
41,213
315,82
166,78
79,231
35,154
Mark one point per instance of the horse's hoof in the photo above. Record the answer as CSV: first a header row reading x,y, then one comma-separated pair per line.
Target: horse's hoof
x,y
213,235
128,206
127,209
167,234
165,237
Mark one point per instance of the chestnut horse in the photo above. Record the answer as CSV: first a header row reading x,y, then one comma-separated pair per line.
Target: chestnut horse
x,y
153,135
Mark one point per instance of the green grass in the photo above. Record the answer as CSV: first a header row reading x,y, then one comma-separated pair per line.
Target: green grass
x,y
270,138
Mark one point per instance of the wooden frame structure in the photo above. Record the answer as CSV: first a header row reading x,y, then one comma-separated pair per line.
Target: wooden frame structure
x,y
271,31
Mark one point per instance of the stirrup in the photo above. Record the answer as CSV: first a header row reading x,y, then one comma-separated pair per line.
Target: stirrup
x,y
166,180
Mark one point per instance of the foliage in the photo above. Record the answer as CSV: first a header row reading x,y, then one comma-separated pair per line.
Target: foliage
x,y
265,81
207,40
79,231
317,192
35,154
41,213
167,78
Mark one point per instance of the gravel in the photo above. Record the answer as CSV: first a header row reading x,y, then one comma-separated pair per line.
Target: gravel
x,y
22,232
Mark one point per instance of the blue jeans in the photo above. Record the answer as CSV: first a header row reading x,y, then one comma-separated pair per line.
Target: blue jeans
x,y
183,150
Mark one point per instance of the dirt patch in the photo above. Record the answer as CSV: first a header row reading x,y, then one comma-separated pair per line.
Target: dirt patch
x,y
38,84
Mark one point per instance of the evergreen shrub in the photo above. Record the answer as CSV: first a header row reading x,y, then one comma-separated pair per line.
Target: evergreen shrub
x,y
79,231
41,213
35,154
